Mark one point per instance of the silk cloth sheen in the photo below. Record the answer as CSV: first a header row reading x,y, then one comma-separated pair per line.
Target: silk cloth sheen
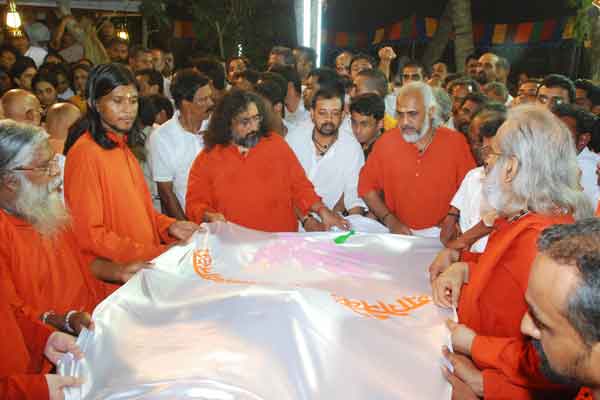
x,y
271,321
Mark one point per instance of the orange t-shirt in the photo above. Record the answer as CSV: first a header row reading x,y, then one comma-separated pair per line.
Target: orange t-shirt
x,y
493,303
39,274
111,206
257,190
22,352
417,187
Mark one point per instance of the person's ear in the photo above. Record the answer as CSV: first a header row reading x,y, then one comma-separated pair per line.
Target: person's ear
x,y
30,116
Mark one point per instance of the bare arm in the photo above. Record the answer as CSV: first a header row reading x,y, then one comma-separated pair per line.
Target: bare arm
x,y
171,206
109,271
466,240
383,214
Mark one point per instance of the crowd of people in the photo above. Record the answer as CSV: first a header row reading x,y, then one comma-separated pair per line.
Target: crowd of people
x,y
111,153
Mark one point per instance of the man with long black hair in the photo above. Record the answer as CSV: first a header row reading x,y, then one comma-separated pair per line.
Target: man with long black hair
x,y
105,189
247,174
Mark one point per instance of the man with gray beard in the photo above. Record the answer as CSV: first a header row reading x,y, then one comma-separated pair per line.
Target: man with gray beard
x,y
42,270
531,182
419,166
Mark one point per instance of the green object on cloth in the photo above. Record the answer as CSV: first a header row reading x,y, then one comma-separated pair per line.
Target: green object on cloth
x,y
342,239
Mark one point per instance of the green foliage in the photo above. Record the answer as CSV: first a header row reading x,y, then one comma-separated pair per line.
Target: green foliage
x,y
582,20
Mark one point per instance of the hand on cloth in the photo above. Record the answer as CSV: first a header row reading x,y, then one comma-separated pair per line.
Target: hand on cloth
x,y
330,219
57,383
462,337
466,380
60,343
442,261
447,286
182,230
129,270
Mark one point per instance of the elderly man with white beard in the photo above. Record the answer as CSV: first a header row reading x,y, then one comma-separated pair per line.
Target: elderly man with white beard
x,y
419,166
43,272
531,182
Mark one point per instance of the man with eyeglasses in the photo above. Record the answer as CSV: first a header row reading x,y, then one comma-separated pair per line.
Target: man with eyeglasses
x,y
555,89
248,175
173,147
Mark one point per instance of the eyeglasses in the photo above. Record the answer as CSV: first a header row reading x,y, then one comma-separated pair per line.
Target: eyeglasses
x,y
51,169
245,122
554,101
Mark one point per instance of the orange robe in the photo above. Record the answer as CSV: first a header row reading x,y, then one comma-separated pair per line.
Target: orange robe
x,y
598,210
418,187
257,190
112,210
39,274
22,353
493,303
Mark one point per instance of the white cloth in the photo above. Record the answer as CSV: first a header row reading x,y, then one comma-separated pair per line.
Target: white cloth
x,y
390,104
509,100
172,152
272,317
167,88
148,131
297,117
588,160
336,173
450,124
468,199
37,54
73,53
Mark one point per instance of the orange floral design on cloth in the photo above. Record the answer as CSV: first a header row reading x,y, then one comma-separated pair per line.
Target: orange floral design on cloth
x,y
381,310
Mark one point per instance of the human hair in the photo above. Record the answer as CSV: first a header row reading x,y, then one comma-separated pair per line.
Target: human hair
x,y
154,78
325,76
275,77
271,91
363,56
185,84
429,100
498,88
308,52
557,80
491,121
444,102
375,80
327,93
586,85
10,49
54,53
135,51
245,60
213,69
251,75
286,53
21,64
290,74
45,76
18,142
162,103
147,111
117,41
547,178
495,106
472,56
585,120
416,64
368,104
234,103
578,245
103,79
478,98
472,85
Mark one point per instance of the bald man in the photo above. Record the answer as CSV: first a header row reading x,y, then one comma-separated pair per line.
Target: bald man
x,y
22,106
59,119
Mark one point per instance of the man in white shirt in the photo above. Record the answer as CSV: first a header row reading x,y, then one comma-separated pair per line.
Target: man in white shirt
x,y
295,112
175,144
332,160
23,46
466,206
581,124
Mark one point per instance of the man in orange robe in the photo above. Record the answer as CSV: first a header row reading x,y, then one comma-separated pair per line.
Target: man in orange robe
x,y
42,269
112,210
248,175
25,346
419,166
490,291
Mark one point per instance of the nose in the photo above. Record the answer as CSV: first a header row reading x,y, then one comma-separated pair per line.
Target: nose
x,y
528,327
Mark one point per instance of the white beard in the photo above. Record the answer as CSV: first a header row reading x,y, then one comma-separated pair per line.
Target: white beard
x,y
492,189
415,137
42,206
